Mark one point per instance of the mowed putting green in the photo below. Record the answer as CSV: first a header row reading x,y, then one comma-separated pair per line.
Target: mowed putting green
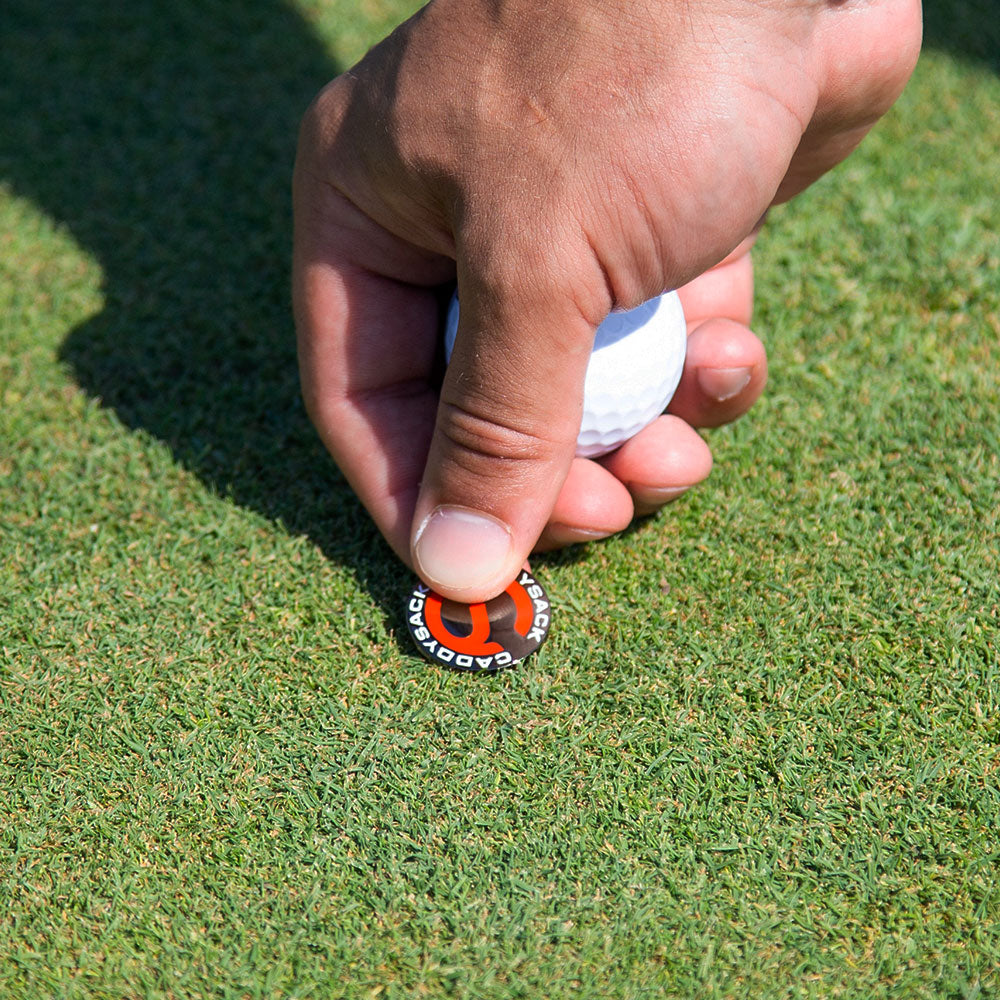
x,y
759,755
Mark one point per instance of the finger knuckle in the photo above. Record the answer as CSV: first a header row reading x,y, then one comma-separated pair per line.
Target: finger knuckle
x,y
477,440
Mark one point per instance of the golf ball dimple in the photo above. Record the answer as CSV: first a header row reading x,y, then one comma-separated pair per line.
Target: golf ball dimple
x,y
634,368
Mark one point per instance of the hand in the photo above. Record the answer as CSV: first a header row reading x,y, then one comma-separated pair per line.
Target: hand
x,y
559,159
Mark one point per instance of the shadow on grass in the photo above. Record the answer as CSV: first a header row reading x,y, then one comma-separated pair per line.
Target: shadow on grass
x,y
968,29
161,133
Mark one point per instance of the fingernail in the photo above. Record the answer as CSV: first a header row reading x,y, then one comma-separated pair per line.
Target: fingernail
x,y
723,383
460,549
658,494
566,534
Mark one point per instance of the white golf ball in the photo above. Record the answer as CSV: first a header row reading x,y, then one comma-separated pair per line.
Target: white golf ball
x,y
632,375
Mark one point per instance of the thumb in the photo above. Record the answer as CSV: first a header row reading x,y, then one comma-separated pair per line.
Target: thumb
x,y
505,436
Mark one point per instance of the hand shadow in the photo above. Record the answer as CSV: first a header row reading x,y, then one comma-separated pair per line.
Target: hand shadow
x,y
967,29
162,133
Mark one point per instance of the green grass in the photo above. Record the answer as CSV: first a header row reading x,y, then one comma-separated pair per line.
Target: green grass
x,y
759,756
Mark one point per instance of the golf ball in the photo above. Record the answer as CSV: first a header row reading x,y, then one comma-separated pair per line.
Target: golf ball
x,y
634,369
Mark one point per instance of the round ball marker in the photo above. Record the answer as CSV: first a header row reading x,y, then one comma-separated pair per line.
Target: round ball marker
x,y
480,637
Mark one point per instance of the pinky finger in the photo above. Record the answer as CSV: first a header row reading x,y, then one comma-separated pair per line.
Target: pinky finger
x,y
724,373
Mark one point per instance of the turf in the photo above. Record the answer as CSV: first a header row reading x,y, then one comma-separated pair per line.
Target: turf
x,y
758,756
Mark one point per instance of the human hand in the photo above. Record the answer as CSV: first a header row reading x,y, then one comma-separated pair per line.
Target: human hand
x,y
559,159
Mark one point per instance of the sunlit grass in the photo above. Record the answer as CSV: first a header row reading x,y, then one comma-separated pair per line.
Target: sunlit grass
x,y
758,756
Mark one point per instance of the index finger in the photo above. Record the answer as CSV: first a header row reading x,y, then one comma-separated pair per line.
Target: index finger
x,y
366,317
